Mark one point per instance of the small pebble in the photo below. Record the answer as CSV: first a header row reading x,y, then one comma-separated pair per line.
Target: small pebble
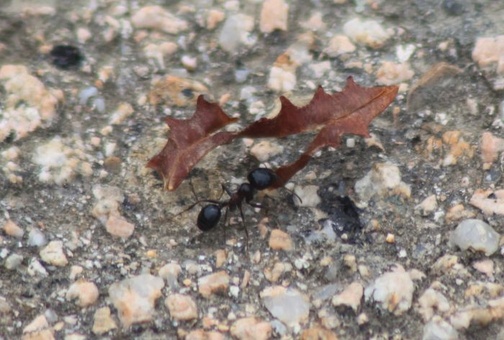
x,y
12,229
489,201
428,205
367,32
251,328
75,271
351,296
362,319
282,77
235,32
181,307
484,266
36,238
170,272
306,196
490,147
391,73
390,238
264,150
487,52
156,53
30,105
190,63
38,329
431,302
85,292
213,284
53,254
475,235
339,45
214,18
393,290
60,161
273,274
383,179
103,321
13,261
158,18
286,304
350,262
4,306
123,111
220,257
36,269
175,90
318,333
438,328
118,226
134,298
274,15
280,240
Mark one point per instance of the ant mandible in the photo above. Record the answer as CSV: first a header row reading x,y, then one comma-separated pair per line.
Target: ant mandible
x,y
210,214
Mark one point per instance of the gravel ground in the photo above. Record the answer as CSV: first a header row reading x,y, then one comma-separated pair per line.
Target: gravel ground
x,y
92,246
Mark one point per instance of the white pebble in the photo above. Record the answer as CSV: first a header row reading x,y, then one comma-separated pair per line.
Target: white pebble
x,y
367,32
235,32
135,297
306,196
53,254
286,304
13,261
264,150
36,238
85,292
393,290
86,94
190,63
35,268
438,328
476,235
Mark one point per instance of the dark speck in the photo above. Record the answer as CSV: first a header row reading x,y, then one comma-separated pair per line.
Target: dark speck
x,y
188,93
453,7
492,196
66,56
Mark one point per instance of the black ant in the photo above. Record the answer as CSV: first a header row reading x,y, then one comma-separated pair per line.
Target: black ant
x,y
210,214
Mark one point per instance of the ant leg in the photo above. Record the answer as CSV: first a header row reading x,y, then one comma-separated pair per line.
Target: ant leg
x,y
246,231
225,224
227,190
294,194
195,204
192,189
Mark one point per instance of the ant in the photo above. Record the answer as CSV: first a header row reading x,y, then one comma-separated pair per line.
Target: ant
x,y
210,214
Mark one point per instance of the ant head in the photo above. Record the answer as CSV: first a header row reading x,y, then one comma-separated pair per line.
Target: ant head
x,y
262,178
246,191
209,217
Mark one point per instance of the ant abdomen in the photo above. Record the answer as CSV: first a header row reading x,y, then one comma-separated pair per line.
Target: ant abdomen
x,y
261,178
209,217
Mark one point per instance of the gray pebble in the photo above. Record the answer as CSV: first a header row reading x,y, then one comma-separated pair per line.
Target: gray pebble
x,y
476,235
36,238
13,261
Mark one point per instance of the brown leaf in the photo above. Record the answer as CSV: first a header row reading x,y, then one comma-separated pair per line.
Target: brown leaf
x,y
189,141
346,112
322,109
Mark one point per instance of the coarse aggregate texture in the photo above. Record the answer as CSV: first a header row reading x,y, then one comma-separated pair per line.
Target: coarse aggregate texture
x,y
92,246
